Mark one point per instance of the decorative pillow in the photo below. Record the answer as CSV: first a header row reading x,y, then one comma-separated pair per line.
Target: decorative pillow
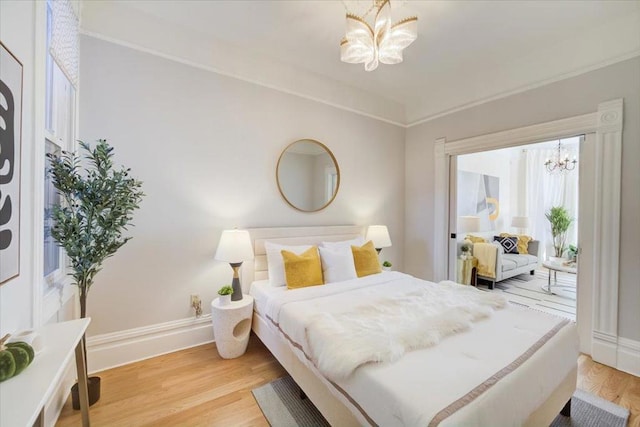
x,y
475,239
337,265
302,270
366,260
510,244
276,263
344,244
523,242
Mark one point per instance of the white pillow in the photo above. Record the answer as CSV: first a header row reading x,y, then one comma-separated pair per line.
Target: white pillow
x,y
337,264
276,263
358,241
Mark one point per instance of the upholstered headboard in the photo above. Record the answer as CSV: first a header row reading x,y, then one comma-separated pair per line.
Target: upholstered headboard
x,y
257,270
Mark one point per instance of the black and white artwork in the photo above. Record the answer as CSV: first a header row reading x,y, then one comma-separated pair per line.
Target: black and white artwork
x,y
10,141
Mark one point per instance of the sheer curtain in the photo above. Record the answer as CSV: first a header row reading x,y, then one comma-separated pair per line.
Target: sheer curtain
x,y
547,189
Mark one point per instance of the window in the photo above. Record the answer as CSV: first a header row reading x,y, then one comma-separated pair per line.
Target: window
x,y
60,100
51,255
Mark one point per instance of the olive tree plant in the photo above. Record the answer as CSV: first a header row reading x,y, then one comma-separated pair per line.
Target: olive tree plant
x,y
97,205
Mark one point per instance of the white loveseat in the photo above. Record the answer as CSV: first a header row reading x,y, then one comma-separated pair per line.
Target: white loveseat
x,y
509,265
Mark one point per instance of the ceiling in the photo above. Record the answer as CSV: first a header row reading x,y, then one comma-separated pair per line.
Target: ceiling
x,y
466,51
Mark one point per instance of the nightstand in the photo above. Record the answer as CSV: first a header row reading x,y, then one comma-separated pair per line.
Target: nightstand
x,y
467,269
232,325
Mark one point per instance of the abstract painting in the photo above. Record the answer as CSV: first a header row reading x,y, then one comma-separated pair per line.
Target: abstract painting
x,y
10,144
479,195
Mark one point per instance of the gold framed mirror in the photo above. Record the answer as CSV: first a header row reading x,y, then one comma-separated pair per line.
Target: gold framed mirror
x,y
308,175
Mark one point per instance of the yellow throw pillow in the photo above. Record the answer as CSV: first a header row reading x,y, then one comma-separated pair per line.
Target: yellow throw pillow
x,y
475,239
523,242
366,260
302,270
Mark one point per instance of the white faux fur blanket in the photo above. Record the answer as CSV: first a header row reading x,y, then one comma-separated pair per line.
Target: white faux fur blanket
x,y
385,330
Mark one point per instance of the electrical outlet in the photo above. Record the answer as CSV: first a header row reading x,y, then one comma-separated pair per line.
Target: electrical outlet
x,y
196,304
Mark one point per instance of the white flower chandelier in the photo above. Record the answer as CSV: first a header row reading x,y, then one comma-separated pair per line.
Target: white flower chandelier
x,y
382,43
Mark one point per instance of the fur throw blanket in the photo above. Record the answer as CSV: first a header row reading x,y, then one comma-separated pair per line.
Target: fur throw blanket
x,y
384,331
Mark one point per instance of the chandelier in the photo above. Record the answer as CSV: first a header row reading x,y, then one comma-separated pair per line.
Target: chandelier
x,y
382,43
560,161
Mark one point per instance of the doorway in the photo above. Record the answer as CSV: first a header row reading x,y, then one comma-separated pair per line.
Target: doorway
x,y
502,196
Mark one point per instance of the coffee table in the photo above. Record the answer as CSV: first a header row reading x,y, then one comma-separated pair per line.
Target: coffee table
x,y
555,267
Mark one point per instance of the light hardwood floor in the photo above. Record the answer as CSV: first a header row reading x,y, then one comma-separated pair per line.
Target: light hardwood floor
x,y
196,387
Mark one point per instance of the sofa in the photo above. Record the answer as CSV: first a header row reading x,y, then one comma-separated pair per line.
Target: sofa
x,y
510,265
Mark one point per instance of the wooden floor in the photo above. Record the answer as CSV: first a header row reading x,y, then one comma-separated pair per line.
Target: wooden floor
x,y
196,387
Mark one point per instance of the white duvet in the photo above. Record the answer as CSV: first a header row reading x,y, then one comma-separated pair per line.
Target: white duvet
x,y
423,381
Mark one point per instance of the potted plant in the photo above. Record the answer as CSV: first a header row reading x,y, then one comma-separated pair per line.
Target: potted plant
x,y
225,294
97,205
560,222
572,253
386,266
465,249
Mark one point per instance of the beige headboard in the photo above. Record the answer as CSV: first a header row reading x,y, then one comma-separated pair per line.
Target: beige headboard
x,y
290,236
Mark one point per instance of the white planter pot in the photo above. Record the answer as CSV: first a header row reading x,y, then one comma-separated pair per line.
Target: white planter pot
x,y
557,260
224,299
386,268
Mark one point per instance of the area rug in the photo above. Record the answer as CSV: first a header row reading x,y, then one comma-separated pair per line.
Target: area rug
x,y
527,290
282,406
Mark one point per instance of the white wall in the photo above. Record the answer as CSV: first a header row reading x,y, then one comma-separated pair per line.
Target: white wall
x,y
567,98
206,148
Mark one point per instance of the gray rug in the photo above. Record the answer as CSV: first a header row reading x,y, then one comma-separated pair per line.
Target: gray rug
x,y
282,407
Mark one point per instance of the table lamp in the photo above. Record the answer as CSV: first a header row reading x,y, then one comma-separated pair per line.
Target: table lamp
x,y
521,223
468,224
234,248
379,235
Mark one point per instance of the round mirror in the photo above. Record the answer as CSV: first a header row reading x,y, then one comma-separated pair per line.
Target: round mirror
x,y
308,175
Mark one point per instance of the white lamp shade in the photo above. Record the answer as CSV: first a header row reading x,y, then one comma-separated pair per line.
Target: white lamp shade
x,y
520,222
468,224
234,246
379,235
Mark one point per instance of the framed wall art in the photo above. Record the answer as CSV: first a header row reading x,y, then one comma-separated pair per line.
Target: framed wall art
x,y
10,148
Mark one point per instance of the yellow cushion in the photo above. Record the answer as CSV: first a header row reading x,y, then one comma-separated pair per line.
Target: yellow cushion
x,y
475,239
302,270
523,242
366,260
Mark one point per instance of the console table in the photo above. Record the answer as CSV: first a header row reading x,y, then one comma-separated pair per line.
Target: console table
x,y
23,397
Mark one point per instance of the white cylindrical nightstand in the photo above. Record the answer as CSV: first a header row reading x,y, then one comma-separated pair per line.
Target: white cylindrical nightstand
x,y
232,325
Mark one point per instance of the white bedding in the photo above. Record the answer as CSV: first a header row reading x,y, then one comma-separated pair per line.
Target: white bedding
x,y
413,390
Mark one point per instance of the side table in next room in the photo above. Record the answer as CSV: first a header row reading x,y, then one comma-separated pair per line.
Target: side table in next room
x,y
232,325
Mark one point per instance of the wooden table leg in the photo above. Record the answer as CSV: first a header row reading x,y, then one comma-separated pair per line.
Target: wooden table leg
x,y
82,383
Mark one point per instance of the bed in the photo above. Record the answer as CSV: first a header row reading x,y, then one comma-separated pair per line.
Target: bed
x,y
514,367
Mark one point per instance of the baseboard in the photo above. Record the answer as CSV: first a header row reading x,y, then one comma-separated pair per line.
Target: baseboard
x,y
120,348
604,348
617,352
629,356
